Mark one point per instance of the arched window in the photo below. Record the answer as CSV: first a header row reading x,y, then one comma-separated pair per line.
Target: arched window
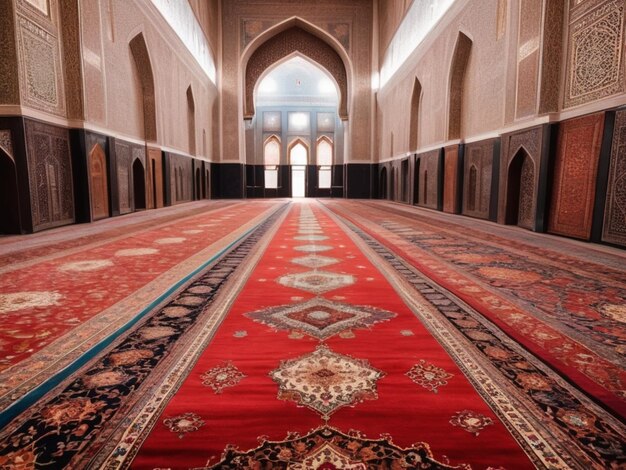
x,y
271,160
298,154
324,162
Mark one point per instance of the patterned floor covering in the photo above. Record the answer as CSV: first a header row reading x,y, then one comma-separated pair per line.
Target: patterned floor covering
x,y
315,342
569,309
64,291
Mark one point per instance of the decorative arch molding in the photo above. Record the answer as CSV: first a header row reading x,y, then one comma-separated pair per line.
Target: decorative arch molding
x,y
323,141
291,36
294,143
139,51
272,139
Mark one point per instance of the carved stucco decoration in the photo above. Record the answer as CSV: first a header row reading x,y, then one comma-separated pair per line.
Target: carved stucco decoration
x,y
529,141
123,163
294,39
49,174
252,27
595,62
9,82
477,174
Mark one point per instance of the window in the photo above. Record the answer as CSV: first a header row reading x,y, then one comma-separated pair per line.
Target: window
x,y
271,160
324,162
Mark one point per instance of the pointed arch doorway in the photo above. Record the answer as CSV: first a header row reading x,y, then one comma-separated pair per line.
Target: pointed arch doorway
x,y
298,158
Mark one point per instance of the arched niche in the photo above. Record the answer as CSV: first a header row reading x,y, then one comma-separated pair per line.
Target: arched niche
x,y
383,184
519,190
414,120
98,183
191,121
294,36
141,58
458,69
9,197
139,185
298,152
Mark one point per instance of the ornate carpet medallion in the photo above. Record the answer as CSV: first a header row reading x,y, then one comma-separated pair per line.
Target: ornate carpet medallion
x,y
324,381
221,377
23,300
320,318
329,448
313,248
314,261
428,375
317,282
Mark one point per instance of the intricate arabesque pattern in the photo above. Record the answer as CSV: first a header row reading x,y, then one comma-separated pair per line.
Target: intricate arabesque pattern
x,y
614,230
317,282
284,43
529,140
221,377
575,171
329,448
50,175
526,200
479,155
325,381
428,375
320,318
595,65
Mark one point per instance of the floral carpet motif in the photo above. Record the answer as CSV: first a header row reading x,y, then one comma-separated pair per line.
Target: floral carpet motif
x,y
320,318
317,282
325,381
314,261
328,448
428,375
313,248
184,424
471,421
221,377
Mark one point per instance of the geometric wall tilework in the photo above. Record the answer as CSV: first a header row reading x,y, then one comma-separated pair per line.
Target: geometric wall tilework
x,y
575,173
595,60
477,173
614,228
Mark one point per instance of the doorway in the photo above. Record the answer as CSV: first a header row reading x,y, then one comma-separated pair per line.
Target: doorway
x,y
139,185
298,157
9,202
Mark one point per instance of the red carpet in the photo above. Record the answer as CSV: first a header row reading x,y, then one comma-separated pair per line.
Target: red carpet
x,y
392,402
79,291
567,311
311,345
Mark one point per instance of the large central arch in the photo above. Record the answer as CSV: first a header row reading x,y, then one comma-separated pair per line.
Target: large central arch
x,y
283,40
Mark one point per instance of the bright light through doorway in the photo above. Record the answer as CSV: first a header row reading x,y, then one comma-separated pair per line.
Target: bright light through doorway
x,y
297,181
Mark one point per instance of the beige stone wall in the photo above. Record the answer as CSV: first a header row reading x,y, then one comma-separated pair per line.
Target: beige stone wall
x,y
348,22
75,68
531,62
113,93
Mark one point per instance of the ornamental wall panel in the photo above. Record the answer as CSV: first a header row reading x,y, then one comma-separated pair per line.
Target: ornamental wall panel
x,y
614,227
575,174
530,143
39,54
596,52
477,174
50,175
123,163
429,179
450,179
